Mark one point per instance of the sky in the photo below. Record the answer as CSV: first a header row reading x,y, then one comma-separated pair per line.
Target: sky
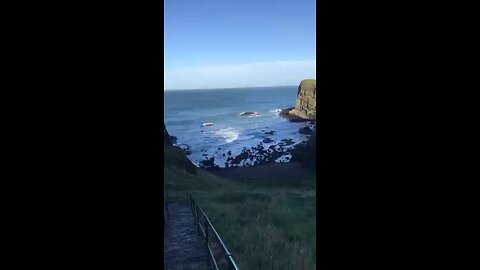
x,y
238,43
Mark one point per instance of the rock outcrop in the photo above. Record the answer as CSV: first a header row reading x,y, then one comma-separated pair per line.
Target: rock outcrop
x,y
174,155
305,152
306,105
167,139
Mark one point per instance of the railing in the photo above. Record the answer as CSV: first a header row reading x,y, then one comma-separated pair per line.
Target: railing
x,y
200,218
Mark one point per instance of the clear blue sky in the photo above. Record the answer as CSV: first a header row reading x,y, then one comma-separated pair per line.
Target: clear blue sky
x,y
238,43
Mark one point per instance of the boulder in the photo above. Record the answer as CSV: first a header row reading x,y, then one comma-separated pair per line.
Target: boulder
x,y
249,114
267,140
305,131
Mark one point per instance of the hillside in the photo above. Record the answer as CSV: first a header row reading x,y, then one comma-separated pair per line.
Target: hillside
x,y
274,216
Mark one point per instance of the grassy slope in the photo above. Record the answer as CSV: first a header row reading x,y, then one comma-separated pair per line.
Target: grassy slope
x,y
266,224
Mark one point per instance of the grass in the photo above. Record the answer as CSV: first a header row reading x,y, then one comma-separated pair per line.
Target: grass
x,y
266,224
265,230
309,83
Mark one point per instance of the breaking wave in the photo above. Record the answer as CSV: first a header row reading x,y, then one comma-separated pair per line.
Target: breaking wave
x,y
229,134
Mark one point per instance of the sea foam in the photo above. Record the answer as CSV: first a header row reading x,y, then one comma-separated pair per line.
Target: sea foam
x,y
229,134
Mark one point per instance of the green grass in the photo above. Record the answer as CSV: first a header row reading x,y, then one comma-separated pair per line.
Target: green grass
x,y
265,229
266,224
309,83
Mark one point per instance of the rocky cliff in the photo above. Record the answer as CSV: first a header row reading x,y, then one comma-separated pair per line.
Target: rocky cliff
x,y
306,104
167,139
174,156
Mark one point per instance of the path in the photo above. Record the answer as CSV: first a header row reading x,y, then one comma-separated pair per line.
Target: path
x,y
183,248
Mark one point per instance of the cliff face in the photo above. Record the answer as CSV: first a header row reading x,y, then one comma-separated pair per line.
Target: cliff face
x,y
167,139
174,156
306,105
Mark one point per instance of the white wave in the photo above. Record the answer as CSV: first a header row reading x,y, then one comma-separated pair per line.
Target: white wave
x,y
229,134
276,111
207,124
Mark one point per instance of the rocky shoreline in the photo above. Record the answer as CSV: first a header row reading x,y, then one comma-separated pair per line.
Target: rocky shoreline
x,y
266,152
291,116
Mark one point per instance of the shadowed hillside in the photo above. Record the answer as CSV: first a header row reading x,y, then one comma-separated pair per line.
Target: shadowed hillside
x,y
267,223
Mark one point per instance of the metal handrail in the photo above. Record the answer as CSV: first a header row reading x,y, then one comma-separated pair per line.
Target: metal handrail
x,y
228,255
204,230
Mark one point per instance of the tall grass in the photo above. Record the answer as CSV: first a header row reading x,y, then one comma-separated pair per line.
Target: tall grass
x,y
266,224
265,230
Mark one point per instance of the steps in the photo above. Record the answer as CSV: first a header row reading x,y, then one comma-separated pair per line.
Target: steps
x,y
183,248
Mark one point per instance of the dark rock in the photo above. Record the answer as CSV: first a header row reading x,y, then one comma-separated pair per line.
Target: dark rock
x,y
167,139
249,114
305,130
285,142
229,153
187,151
267,140
269,132
209,164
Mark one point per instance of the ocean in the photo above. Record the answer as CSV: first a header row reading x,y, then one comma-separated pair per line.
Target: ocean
x,y
209,122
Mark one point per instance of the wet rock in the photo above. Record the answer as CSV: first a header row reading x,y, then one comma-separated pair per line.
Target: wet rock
x,y
209,164
267,140
249,114
174,139
286,142
269,132
185,148
305,130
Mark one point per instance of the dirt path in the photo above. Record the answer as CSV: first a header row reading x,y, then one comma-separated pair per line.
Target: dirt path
x,y
183,248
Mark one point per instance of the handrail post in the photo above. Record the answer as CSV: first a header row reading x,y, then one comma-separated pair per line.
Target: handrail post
x,y
206,243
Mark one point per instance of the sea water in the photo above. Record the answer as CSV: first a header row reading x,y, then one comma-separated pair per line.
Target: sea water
x,y
209,121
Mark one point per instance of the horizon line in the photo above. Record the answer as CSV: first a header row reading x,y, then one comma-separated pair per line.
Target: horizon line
x,y
222,88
